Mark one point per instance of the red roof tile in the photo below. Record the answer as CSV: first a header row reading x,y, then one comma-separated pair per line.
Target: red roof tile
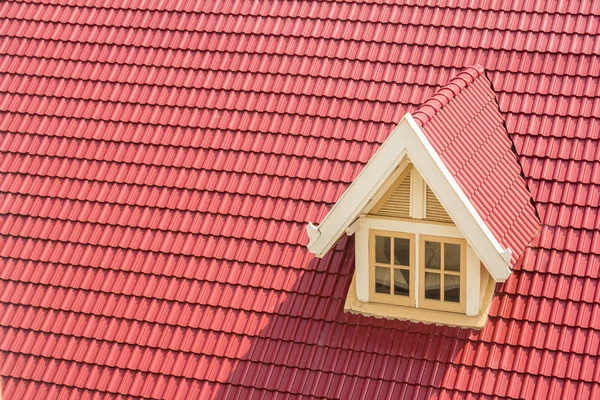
x,y
161,158
464,125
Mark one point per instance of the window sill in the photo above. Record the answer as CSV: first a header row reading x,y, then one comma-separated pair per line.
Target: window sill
x,y
389,311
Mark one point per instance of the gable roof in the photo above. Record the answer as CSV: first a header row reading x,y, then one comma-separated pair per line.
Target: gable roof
x,y
472,169
160,160
463,123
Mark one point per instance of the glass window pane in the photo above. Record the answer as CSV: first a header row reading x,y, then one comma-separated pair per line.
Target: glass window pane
x,y
432,286
451,257
433,252
401,251
382,249
401,282
382,280
452,288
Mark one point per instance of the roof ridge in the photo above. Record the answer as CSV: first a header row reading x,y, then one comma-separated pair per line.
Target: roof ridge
x,y
446,93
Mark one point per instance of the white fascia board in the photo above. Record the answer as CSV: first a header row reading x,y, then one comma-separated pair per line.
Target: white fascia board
x,y
461,210
408,140
358,195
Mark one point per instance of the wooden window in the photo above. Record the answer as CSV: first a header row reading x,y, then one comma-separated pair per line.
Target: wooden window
x,y
441,269
442,273
392,268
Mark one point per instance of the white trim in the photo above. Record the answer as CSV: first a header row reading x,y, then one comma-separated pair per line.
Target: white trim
x,y
354,226
360,194
418,227
459,207
407,140
313,232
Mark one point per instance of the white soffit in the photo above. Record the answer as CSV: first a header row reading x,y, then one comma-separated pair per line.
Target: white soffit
x,y
408,141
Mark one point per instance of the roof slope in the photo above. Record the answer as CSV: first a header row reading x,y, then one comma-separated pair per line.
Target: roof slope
x,y
464,125
161,158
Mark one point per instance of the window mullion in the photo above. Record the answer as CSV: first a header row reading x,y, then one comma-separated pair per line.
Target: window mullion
x,y
392,265
392,258
442,270
416,269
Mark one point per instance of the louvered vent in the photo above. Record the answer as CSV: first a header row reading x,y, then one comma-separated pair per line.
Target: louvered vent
x,y
435,210
398,204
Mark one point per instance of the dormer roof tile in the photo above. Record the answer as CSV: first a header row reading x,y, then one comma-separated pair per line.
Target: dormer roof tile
x,y
463,122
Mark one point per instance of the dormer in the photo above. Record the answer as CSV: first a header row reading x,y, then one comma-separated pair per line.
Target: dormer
x,y
416,255
439,214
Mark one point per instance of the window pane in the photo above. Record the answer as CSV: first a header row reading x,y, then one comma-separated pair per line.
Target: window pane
x,y
401,282
382,280
382,249
452,257
432,255
401,251
452,288
432,286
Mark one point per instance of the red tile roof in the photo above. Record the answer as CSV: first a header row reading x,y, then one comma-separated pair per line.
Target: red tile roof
x,y
464,125
160,160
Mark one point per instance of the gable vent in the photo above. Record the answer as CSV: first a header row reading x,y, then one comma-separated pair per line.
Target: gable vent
x,y
435,210
398,204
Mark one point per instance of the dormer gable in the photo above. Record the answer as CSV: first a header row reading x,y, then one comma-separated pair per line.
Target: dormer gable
x,y
410,197
454,161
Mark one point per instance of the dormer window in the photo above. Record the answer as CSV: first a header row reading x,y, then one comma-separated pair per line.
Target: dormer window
x,y
437,280
434,212
412,261
420,259
393,273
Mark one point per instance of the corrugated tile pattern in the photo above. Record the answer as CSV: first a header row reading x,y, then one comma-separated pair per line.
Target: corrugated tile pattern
x,y
464,125
160,158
